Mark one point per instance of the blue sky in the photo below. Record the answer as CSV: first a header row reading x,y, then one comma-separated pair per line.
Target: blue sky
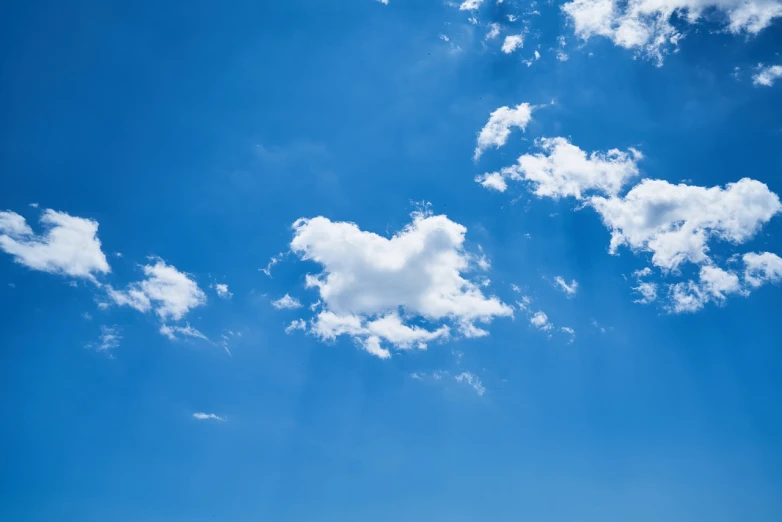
x,y
170,173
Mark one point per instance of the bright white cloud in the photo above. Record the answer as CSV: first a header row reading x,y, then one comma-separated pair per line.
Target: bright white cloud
x,y
207,416
563,170
512,42
286,302
470,5
222,290
714,285
497,130
762,268
166,290
648,292
494,31
767,75
296,324
540,321
645,27
473,381
373,287
69,246
676,222
493,180
569,289
174,332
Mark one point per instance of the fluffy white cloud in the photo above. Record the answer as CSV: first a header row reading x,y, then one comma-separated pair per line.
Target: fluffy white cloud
x,y
286,302
372,287
540,321
512,42
569,289
563,169
207,416
222,290
497,130
766,76
645,27
69,246
296,324
648,292
470,5
494,31
171,293
714,285
184,331
676,222
762,268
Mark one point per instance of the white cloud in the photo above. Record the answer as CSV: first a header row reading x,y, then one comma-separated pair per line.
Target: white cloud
x,y
296,324
766,76
762,268
171,293
648,292
222,290
570,332
109,338
207,416
492,180
184,331
69,246
497,130
569,289
512,42
540,321
384,2
286,302
645,27
563,169
372,287
470,5
714,285
444,38
676,222
34,205
473,381
273,261
494,31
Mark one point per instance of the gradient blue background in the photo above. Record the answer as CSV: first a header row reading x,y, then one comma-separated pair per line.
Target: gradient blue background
x,y
199,131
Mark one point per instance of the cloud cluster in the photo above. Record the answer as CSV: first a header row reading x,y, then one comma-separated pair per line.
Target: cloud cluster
x,y
68,246
767,75
645,26
404,291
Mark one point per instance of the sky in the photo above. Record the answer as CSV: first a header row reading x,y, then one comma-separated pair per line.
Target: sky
x,y
391,260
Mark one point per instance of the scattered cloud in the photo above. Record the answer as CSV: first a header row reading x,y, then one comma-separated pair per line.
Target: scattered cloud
x,y
407,290
569,331
494,31
296,324
512,42
676,222
473,381
540,321
34,205
762,268
108,340
273,261
286,302
69,245
222,290
767,75
166,290
176,332
441,376
562,169
207,416
497,130
569,289
645,26
470,5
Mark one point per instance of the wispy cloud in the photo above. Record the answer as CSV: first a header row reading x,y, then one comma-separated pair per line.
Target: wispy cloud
x,y
207,416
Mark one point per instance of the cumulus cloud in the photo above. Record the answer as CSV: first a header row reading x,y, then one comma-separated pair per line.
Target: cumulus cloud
x,y
68,246
767,75
494,31
648,292
540,321
166,290
714,285
644,26
569,289
512,42
762,268
296,324
406,291
108,340
286,302
207,416
222,290
563,169
497,130
676,222
470,5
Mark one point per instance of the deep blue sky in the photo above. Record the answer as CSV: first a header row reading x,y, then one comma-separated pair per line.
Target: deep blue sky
x,y
200,131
